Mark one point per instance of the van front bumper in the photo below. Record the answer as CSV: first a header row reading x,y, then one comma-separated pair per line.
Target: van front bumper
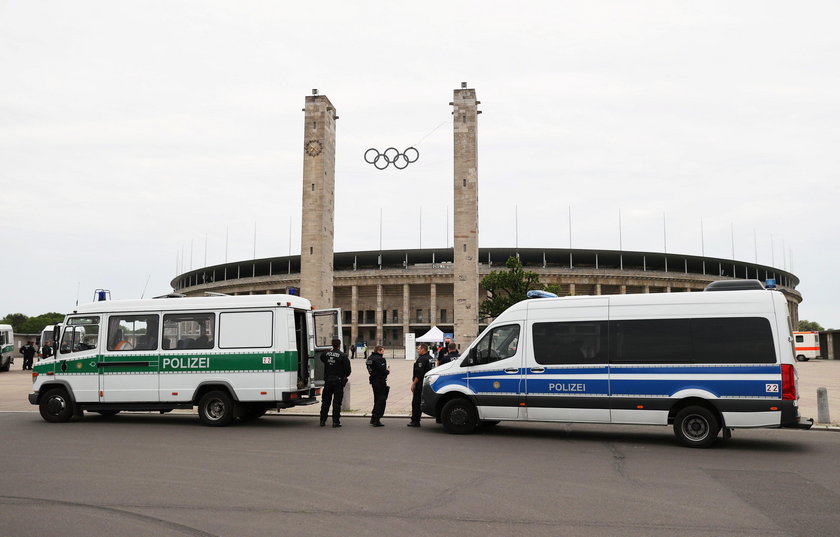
x,y
428,400
33,398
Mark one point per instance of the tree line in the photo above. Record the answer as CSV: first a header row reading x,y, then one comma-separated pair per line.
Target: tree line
x,y
24,324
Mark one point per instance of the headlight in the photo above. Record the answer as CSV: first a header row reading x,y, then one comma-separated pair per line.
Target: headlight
x,y
430,379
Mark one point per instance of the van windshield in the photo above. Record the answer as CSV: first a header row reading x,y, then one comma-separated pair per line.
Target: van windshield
x,y
81,334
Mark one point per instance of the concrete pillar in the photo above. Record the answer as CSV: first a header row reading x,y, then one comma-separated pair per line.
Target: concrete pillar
x,y
380,336
354,319
433,316
647,289
622,290
465,244
597,288
571,289
406,307
317,229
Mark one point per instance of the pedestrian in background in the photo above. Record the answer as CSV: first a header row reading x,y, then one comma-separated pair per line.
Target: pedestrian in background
x,y
46,350
28,351
451,354
378,371
422,365
336,370
444,349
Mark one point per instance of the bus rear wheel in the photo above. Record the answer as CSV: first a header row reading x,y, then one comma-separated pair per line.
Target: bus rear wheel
x,y
696,426
216,409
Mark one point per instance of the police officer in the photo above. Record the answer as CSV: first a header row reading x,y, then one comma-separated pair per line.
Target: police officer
x,y
422,365
28,351
336,371
378,370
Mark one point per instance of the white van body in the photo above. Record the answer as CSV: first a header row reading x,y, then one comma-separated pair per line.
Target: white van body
x,y
806,345
699,361
232,356
7,347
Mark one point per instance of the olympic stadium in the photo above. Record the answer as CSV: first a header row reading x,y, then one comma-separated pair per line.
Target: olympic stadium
x,y
384,295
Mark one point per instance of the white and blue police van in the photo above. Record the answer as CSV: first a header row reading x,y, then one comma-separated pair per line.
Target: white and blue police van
x,y
702,362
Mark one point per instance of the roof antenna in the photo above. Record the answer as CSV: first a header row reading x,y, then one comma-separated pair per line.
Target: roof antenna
x,y
150,277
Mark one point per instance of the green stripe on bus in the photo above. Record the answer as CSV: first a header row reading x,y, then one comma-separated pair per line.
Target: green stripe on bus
x,y
173,363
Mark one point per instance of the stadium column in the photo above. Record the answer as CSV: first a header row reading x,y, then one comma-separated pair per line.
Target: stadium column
x,y
465,126
317,219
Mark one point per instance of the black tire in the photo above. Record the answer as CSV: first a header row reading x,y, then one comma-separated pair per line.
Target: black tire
x,y
801,358
216,409
696,426
56,406
107,413
252,412
459,416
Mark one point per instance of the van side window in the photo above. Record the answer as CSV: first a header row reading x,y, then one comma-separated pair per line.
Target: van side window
x,y
724,340
247,329
80,334
651,341
133,333
498,344
189,331
3,338
583,342
739,340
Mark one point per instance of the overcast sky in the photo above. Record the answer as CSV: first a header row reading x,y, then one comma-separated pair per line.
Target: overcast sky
x,y
132,134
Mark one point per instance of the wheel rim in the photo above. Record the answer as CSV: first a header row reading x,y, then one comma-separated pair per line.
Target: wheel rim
x,y
458,416
56,405
695,428
215,409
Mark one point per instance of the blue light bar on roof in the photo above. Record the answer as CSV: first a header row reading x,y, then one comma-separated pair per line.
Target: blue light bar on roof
x,y
537,293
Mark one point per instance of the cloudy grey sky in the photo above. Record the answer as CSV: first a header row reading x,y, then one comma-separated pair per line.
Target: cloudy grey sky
x,y
132,134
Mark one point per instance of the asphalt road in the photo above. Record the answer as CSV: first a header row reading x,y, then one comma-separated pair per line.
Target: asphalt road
x,y
146,474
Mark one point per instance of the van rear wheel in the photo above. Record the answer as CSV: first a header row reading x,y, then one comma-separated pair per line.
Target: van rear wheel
x,y
56,407
459,416
696,426
216,409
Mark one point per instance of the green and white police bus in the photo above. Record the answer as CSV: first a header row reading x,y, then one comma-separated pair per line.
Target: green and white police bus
x,y
7,347
231,356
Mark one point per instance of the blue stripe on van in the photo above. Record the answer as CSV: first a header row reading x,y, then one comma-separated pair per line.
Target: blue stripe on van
x,y
692,369
720,388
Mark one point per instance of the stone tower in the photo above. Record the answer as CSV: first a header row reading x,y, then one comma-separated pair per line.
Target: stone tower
x,y
317,229
465,123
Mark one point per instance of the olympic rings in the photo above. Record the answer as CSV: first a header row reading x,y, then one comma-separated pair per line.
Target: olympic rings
x,y
391,156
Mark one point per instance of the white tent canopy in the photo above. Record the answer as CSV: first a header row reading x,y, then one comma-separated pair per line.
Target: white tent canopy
x,y
435,335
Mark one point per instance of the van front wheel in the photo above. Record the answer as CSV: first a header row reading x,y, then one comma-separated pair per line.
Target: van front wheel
x,y
56,407
696,426
459,416
216,409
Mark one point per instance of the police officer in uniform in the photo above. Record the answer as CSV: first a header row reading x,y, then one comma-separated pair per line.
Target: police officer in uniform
x,y
422,365
378,370
336,371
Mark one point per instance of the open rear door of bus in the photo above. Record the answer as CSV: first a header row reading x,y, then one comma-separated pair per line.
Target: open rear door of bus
x,y
327,326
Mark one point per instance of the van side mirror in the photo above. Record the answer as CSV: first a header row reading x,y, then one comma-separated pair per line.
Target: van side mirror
x,y
56,334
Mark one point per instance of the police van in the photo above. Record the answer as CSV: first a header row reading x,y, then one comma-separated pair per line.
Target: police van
x,y
7,347
230,356
701,362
